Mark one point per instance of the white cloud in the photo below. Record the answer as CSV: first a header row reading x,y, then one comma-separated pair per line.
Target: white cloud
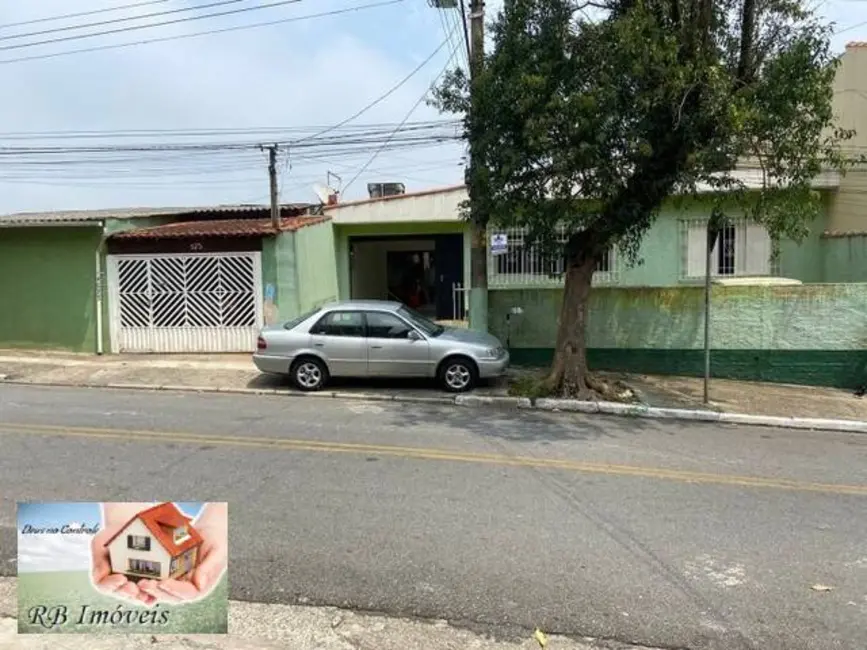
x,y
53,552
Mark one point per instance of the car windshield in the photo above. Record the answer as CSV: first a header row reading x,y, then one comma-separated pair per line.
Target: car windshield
x,y
424,324
295,322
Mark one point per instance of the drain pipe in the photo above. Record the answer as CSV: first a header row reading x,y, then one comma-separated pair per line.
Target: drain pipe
x,y
98,292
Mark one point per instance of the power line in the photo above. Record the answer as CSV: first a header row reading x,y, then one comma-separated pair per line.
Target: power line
x,y
412,110
385,95
81,14
174,21
223,30
114,21
851,27
208,132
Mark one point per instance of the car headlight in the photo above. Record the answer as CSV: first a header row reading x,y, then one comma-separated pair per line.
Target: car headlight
x,y
494,353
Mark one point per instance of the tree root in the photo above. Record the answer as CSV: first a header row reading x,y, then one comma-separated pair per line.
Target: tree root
x,y
594,388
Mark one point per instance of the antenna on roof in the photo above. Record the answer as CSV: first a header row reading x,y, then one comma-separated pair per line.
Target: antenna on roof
x,y
327,194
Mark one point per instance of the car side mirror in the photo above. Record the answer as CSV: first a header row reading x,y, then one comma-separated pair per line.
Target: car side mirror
x,y
413,336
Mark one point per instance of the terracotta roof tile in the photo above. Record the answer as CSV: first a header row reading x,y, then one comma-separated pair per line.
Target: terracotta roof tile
x,y
853,44
161,520
81,216
218,228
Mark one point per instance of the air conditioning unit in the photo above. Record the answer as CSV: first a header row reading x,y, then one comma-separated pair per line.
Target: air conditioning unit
x,y
379,190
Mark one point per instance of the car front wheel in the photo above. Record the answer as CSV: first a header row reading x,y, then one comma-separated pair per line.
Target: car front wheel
x,y
309,374
458,375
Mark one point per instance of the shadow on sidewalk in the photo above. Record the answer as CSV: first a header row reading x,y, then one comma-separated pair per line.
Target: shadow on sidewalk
x,y
414,386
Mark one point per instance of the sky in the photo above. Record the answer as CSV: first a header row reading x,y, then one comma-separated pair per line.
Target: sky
x,y
306,73
63,552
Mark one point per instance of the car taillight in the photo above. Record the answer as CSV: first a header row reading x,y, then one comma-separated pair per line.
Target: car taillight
x,y
261,344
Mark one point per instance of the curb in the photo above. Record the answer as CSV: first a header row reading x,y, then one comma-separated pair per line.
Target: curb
x,y
523,403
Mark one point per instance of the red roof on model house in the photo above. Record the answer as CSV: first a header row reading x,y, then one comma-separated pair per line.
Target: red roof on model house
x,y
162,520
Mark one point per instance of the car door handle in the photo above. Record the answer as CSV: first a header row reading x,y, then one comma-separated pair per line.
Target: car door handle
x,y
375,347
319,345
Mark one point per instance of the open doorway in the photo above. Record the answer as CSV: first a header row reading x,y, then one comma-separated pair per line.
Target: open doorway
x,y
421,271
412,279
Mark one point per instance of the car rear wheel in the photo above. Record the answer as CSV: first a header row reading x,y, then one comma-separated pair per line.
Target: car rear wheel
x,y
458,375
309,374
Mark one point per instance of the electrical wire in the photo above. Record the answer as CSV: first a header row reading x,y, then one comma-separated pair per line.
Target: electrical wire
x,y
176,37
81,14
264,132
114,21
851,27
385,95
412,110
132,28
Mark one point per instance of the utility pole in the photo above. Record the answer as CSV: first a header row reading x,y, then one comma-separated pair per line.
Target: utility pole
x,y
478,293
478,221
275,196
714,227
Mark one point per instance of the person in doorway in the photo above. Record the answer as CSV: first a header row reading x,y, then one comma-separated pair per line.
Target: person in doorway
x,y
416,297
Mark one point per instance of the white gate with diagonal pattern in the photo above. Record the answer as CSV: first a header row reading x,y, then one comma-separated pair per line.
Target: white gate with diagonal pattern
x,y
205,302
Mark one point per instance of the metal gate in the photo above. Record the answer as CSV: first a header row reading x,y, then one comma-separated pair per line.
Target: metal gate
x,y
206,302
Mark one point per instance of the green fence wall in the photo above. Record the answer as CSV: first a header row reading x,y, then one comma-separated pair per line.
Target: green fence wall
x,y
845,258
807,334
47,292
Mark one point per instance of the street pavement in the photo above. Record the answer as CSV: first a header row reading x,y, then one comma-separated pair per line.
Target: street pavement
x,y
698,536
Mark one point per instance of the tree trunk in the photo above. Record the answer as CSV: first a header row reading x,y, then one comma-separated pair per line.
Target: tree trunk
x,y
569,373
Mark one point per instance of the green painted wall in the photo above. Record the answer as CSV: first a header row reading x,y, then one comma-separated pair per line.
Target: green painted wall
x,y
659,256
342,234
810,334
316,265
47,294
845,258
279,278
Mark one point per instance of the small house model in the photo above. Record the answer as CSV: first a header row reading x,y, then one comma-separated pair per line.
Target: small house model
x,y
158,543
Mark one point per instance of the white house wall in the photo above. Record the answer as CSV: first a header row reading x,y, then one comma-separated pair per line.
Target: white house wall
x,y
423,207
120,554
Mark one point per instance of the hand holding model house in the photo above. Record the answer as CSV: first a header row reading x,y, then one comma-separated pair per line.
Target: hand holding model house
x,y
150,553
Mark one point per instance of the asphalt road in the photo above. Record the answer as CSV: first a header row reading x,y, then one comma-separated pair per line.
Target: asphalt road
x,y
686,536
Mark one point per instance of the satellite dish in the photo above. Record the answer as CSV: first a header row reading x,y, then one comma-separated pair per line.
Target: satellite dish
x,y
327,195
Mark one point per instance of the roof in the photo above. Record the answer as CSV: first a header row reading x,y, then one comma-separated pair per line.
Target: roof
x,y
390,305
218,228
396,197
83,216
161,520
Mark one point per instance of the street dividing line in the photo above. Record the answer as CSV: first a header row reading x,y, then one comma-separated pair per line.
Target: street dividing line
x,y
422,453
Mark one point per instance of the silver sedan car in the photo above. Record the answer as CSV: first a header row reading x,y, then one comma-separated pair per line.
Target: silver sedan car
x,y
377,339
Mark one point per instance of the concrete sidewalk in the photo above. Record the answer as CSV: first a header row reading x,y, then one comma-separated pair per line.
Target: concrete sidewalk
x,y
235,372
279,627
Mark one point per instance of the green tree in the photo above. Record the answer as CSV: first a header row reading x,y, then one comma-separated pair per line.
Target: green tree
x,y
591,124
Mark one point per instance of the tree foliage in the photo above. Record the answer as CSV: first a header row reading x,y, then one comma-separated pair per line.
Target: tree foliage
x,y
590,116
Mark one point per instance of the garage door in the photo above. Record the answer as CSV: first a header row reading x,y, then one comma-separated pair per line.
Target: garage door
x,y
185,303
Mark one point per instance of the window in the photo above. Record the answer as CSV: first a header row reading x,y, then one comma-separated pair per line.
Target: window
x,y
522,263
424,324
181,533
295,322
144,567
381,325
340,323
138,542
743,249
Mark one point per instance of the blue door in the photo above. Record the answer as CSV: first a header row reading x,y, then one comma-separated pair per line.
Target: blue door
x,y
449,270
